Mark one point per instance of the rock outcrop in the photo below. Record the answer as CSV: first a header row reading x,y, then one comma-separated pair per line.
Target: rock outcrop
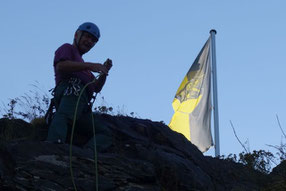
x,y
145,156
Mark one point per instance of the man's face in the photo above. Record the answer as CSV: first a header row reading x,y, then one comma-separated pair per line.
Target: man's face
x,y
85,42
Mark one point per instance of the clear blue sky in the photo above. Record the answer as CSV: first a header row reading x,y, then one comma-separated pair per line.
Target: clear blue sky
x,y
152,44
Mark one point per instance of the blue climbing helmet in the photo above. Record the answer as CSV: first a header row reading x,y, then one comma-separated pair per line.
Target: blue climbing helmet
x,y
90,28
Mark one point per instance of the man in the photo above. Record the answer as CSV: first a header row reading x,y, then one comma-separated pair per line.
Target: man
x,y
71,74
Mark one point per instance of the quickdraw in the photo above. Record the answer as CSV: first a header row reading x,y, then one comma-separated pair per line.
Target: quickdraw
x,y
74,87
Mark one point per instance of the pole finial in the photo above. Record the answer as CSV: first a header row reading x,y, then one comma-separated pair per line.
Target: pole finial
x,y
213,30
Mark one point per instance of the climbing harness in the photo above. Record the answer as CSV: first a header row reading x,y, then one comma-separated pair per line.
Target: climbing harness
x,y
74,87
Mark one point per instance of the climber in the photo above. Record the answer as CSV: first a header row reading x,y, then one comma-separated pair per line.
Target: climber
x,y
71,74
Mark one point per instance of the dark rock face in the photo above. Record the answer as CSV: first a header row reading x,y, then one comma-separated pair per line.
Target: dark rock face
x,y
13,129
145,156
278,178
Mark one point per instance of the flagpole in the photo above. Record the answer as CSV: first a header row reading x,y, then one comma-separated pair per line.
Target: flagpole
x,y
215,99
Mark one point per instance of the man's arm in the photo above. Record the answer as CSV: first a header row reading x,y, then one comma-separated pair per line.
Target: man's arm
x,y
72,66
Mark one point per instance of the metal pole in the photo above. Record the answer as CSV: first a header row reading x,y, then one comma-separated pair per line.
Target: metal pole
x,y
215,97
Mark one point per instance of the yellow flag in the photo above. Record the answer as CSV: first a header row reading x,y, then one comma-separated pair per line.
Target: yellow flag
x,y
192,102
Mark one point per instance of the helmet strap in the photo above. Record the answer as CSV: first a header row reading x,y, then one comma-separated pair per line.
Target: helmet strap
x,y
79,35
78,39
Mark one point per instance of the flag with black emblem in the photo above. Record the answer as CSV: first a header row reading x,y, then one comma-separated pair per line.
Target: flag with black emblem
x,y
192,102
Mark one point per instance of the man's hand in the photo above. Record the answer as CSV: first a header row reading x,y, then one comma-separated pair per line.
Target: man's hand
x,y
108,64
102,78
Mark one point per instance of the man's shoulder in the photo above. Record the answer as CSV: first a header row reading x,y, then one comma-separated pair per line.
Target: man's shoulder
x,y
65,49
65,46
64,52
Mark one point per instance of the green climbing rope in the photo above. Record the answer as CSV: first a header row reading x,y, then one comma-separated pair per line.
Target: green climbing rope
x,y
72,134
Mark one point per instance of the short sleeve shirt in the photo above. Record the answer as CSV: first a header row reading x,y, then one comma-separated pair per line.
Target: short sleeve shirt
x,y
69,52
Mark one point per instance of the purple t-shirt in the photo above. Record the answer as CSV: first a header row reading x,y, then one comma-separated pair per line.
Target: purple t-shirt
x,y
69,52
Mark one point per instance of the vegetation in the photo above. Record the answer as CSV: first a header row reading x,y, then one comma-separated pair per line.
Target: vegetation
x,y
260,160
30,106
101,106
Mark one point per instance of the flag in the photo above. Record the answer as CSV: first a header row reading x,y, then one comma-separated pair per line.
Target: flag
x,y
192,102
